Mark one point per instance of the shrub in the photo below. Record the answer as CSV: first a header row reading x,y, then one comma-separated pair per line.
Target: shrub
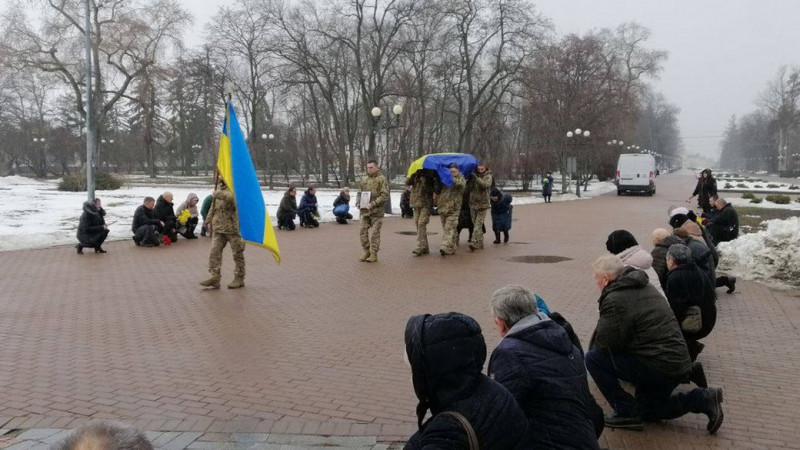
x,y
748,195
728,186
773,186
780,199
794,187
797,199
103,181
758,186
756,200
741,185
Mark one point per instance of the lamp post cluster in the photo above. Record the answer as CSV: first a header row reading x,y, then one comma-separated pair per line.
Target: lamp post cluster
x,y
389,123
573,166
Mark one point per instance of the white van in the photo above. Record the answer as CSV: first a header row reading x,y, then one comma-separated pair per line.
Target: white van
x,y
636,172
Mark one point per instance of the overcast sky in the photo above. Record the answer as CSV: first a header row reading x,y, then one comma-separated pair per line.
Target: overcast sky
x,y
721,52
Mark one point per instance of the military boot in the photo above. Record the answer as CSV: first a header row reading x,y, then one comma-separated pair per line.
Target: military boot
x,y
365,256
212,282
373,257
237,283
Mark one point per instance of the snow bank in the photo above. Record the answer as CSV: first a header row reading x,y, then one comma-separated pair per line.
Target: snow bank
x,y
771,256
36,214
738,201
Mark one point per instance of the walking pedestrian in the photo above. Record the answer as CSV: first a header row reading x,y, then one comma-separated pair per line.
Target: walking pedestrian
x,y
421,202
501,214
479,186
224,220
449,204
371,199
547,187
705,189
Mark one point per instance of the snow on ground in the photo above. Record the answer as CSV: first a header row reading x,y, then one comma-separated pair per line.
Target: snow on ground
x,y
738,201
771,256
35,214
745,184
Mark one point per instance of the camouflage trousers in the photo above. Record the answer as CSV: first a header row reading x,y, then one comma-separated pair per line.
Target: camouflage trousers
x,y
421,218
370,233
478,219
215,258
449,236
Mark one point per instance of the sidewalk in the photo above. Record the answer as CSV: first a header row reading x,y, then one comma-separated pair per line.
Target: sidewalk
x,y
313,347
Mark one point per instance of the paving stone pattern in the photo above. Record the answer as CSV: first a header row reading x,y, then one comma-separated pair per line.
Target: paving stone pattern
x,y
313,347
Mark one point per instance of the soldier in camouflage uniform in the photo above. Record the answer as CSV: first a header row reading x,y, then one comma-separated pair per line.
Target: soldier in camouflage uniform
x,y
372,213
224,222
479,186
449,203
422,202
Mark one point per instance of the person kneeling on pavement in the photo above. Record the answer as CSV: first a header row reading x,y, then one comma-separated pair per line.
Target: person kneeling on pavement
x,y
188,216
165,212
145,225
446,353
307,211
638,339
691,297
287,210
539,365
341,207
92,229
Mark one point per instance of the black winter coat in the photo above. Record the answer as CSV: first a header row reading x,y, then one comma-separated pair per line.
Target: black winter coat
x,y
341,200
92,222
165,212
537,362
703,256
446,353
688,286
724,225
705,189
659,254
144,216
635,319
501,211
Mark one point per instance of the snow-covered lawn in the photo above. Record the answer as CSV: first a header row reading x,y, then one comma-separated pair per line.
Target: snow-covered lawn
x,y
771,256
748,185
35,214
738,201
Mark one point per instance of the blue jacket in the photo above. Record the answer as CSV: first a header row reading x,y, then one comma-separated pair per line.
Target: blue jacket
x,y
307,203
501,211
544,371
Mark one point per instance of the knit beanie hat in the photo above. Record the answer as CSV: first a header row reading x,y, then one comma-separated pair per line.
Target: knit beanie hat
x,y
619,241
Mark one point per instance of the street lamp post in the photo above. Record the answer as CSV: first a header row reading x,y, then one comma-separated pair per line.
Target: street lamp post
x,y
268,139
196,149
388,124
578,133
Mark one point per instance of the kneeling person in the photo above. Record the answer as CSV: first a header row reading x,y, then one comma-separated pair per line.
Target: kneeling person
x,y
145,225
92,229
538,363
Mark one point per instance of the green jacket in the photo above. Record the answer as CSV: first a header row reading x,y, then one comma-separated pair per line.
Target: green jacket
x,y
223,215
479,186
449,201
288,205
206,206
421,192
378,187
636,320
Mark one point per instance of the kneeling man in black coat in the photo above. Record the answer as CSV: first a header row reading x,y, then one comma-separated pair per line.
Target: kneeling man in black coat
x,y
538,363
446,353
638,339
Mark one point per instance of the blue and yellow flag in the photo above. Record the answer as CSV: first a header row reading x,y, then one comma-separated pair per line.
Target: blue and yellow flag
x,y
236,169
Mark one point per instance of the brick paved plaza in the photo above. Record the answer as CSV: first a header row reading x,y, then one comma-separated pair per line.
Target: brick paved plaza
x,y
314,346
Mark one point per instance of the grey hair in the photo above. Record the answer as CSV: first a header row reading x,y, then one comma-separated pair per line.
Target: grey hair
x,y
680,254
105,436
722,200
513,303
610,265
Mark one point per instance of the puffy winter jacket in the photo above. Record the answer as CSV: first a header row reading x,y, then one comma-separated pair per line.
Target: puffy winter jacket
x,y
92,222
537,362
501,211
688,286
446,353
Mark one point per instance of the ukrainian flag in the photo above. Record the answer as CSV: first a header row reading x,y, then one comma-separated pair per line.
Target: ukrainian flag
x,y
236,169
441,162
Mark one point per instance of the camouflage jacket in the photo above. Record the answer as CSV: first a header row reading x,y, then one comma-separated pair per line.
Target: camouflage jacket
x,y
449,201
223,215
479,187
377,185
421,192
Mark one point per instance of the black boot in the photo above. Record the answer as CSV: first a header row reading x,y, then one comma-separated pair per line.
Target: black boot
x,y
713,398
505,237
79,247
496,237
731,284
99,249
698,375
